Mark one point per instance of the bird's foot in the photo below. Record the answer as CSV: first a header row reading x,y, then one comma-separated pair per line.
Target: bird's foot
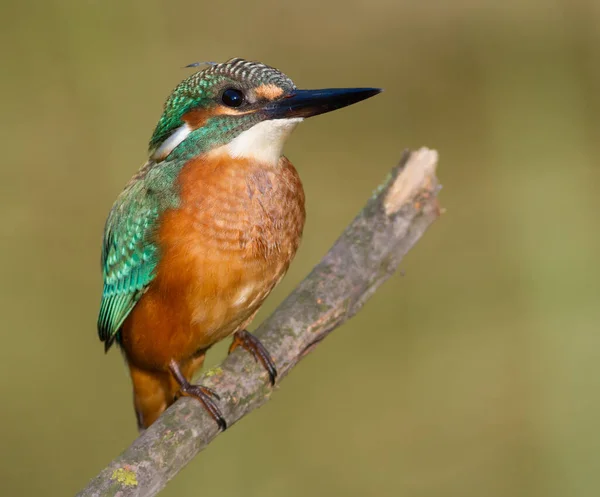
x,y
253,345
205,395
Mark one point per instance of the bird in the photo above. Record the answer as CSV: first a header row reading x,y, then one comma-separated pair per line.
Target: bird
x,y
206,228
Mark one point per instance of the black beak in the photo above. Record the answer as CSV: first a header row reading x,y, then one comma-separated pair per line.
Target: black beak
x,y
307,103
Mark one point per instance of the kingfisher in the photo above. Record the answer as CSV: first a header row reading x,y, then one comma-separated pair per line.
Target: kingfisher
x,y
206,228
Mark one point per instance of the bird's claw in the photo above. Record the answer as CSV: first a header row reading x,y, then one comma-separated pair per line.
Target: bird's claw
x,y
206,395
249,342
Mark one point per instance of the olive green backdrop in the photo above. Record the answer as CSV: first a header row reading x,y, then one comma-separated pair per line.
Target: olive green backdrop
x,y
476,373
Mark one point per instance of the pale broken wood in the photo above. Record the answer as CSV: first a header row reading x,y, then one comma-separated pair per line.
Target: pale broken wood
x,y
418,176
365,255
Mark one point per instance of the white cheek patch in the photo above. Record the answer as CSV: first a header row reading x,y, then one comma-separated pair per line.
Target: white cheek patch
x,y
263,141
170,143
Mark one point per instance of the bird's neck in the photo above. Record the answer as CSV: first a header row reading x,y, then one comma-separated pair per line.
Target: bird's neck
x,y
262,142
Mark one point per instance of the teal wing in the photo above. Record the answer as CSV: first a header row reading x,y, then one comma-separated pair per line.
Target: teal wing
x,y
129,258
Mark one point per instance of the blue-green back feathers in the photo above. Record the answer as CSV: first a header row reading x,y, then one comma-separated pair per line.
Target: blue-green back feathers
x,y
129,257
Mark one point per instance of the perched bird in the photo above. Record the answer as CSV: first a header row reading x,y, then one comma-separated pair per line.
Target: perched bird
x,y
206,228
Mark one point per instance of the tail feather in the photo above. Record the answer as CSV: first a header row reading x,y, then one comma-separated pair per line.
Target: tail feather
x,y
154,391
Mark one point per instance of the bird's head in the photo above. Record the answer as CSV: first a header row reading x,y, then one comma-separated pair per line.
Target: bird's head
x,y
247,107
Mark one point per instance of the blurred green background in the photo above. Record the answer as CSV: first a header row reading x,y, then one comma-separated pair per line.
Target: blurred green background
x,y
480,366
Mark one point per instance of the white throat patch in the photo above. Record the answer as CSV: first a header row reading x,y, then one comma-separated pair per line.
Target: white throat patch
x,y
263,141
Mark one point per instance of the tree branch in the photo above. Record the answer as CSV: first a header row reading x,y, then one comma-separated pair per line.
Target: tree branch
x,y
364,256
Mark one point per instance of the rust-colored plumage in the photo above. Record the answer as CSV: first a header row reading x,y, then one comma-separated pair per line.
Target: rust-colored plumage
x,y
223,250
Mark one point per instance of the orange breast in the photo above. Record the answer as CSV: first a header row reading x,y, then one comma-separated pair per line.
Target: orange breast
x,y
222,251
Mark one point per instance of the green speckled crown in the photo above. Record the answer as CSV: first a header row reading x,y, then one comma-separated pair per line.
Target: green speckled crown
x,y
244,71
201,88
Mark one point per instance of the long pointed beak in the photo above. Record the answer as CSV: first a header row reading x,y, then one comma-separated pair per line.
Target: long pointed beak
x,y
307,103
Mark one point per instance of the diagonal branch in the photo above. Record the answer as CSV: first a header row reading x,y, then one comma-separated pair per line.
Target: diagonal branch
x,y
365,255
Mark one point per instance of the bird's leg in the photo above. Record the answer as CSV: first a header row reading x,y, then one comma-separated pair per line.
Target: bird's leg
x,y
204,394
252,344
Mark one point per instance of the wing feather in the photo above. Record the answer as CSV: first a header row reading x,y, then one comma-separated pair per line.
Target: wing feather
x,y
129,258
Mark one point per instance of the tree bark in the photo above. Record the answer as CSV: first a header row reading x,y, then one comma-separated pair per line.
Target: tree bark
x,y
366,254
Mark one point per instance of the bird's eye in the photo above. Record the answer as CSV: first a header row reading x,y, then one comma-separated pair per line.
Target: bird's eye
x,y
232,97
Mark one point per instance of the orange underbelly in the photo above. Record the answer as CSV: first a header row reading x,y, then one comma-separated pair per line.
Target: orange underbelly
x,y
222,252
177,318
